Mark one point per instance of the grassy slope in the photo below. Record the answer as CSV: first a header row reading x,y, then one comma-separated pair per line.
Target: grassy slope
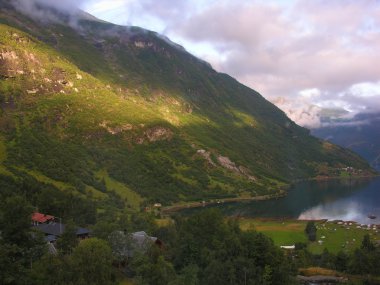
x,y
78,109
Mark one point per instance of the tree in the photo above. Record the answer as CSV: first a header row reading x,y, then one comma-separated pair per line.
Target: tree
x,y
68,240
104,228
311,231
19,245
91,263
121,244
13,266
341,261
226,255
188,276
52,269
152,268
15,221
367,245
327,260
359,262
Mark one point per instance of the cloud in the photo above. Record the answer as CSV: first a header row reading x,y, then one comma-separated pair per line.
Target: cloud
x,y
288,49
274,48
280,48
149,14
303,111
32,8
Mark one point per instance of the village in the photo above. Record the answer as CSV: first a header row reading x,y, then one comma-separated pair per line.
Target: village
x,y
52,228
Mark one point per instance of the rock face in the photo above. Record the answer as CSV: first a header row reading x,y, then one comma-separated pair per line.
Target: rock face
x,y
9,64
230,165
206,155
116,130
158,134
226,163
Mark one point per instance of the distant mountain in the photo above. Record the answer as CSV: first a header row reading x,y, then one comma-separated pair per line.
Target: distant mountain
x,y
110,112
360,134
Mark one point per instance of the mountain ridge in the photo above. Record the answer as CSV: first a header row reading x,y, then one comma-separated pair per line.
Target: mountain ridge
x,y
110,104
360,134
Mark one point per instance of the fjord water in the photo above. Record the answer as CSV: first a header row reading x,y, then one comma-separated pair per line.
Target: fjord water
x,y
348,200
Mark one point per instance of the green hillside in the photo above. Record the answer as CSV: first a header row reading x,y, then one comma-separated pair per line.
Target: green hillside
x,y
122,115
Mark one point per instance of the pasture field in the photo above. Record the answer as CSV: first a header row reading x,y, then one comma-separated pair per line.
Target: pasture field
x,y
330,235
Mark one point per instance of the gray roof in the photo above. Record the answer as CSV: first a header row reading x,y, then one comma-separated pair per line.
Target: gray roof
x,y
142,237
57,229
50,238
82,231
140,241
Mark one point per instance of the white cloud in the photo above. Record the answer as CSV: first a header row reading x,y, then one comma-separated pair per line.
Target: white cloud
x,y
301,111
365,89
310,93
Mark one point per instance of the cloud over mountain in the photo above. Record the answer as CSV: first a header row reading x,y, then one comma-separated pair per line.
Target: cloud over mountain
x,y
279,48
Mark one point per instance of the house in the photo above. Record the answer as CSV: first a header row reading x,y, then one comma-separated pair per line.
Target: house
x,y
142,238
289,247
130,243
54,230
38,218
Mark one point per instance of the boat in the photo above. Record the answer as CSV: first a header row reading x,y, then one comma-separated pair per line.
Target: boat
x,y
371,216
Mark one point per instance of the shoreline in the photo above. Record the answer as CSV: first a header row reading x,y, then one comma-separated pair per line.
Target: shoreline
x,y
283,193
326,178
338,222
201,204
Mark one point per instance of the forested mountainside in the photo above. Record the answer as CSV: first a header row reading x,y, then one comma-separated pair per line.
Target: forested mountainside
x,y
121,114
360,134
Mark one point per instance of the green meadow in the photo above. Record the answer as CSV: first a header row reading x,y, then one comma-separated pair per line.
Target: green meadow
x,y
330,235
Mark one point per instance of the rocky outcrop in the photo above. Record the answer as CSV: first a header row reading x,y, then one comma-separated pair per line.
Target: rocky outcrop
x,y
9,64
226,163
158,134
247,173
141,44
230,165
155,134
206,155
117,129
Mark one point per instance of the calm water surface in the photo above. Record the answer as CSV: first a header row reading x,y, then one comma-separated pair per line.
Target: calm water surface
x,y
334,200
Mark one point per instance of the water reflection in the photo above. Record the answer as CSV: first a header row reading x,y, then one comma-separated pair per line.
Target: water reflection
x,y
354,207
334,199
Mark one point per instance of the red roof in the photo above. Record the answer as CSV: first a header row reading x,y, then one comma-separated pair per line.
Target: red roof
x,y
41,218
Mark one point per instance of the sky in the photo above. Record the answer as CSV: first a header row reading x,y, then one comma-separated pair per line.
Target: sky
x,y
302,55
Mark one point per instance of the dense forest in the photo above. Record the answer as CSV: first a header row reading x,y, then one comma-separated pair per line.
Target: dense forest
x,y
204,248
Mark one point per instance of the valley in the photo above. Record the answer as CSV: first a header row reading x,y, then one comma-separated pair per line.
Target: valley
x,y
172,172
101,97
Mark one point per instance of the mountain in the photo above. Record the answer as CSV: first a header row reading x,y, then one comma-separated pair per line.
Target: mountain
x,y
360,134
117,113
